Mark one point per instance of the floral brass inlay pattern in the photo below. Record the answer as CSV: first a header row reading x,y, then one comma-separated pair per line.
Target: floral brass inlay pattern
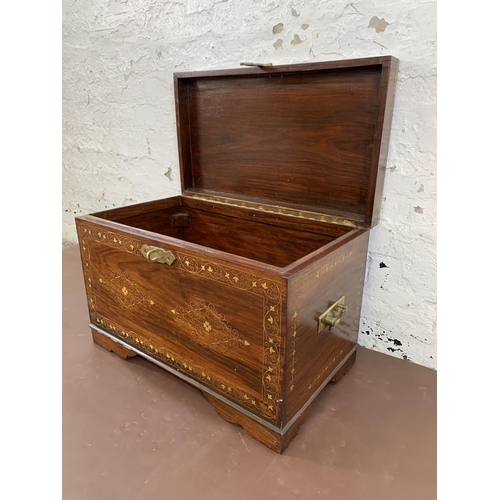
x,y
271,294
209,327
293,346
109,238
180,364
126,291
268,290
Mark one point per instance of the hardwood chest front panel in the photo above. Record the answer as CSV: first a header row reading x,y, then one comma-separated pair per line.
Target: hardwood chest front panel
x,y
219,323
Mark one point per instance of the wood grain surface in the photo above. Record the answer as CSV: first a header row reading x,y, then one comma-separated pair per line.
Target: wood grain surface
x,y
220,323
278,240
271,160
311,356
288,136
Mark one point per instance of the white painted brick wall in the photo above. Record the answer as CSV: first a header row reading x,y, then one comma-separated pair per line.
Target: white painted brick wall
x,y
119,139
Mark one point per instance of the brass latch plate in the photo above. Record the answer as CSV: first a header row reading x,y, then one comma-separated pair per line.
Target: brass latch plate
x,y
159,255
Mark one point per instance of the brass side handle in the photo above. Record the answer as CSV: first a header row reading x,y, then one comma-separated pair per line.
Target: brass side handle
x,y
332,316
155,254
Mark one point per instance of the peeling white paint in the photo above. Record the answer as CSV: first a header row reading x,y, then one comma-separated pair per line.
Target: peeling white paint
x,y
119,135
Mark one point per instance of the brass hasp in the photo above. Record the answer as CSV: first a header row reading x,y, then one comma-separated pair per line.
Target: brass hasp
x,y
155,254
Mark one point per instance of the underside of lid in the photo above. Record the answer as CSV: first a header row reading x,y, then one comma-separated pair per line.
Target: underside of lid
x,y
308,137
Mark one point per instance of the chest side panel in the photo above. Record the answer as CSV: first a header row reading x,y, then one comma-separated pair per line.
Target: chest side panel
x,y
218,323
312,355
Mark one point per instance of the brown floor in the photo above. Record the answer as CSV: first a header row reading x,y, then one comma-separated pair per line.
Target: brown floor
x,y
133,431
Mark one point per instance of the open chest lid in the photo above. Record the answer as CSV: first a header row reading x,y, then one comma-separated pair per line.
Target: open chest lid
x,y
306,139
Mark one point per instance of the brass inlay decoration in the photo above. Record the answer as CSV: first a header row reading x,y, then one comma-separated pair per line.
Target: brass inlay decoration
x,y
303,214
156,254
334,264
271,294
126,291
336,359
209,327
332,316
180,364
235,278
268,290
293,346
108,238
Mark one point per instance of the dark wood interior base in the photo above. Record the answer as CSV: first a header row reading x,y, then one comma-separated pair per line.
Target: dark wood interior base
x,y
111,346
276,441
348,364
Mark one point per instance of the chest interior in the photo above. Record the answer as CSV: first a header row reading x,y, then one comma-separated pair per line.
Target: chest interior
x,y
273,239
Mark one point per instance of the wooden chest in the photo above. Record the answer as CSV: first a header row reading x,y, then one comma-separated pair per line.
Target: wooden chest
x,y
249,285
